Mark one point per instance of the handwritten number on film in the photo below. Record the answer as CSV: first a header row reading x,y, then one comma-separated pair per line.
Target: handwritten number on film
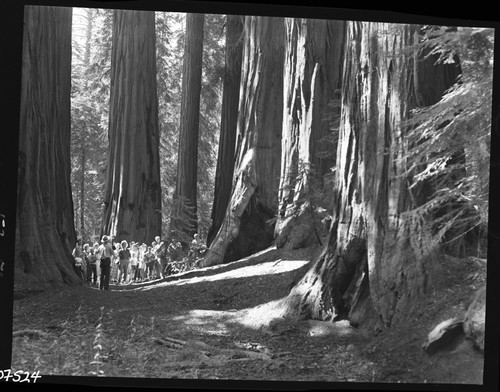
x,y
19,376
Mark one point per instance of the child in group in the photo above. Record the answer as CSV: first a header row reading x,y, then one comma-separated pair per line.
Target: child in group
x,y
149,260
86,262
93,264
124,261
98,263
134,260
78,259
141,263
115,261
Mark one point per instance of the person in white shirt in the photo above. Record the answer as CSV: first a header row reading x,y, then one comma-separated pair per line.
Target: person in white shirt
x,y
105,254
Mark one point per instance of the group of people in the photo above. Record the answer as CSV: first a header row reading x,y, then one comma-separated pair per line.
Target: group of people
x,y
123,263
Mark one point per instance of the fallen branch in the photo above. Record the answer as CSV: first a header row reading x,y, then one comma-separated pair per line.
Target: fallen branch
x,y
205,349
32,333
170,343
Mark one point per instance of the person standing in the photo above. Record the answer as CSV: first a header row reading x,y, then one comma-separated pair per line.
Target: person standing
x,y
134,261
155,248
161,253
124,256
115,263
86,262
142,263
78,259
150,259
105,254
92,270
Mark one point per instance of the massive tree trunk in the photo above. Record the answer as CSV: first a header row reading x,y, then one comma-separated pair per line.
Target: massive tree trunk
x,y
133,195
312,77
253,202
229,119
45,233
184,222
374,264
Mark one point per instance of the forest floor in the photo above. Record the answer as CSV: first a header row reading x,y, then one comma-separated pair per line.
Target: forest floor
x,y
217,323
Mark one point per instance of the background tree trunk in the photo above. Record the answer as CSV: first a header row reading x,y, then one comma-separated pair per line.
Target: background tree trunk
x,y
45,232
133,196
254,196
83,157
374,264
312,77
82,193
184,222
229,120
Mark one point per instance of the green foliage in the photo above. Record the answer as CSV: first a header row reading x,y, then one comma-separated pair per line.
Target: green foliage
x,y
450,140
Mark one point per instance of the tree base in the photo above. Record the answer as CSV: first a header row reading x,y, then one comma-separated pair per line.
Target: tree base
x,y
255,233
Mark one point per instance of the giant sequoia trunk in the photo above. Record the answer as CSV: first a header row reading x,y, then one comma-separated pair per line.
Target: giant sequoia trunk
x,y
312,77
45,233
254,197
133,199
374,264
229,118
184,223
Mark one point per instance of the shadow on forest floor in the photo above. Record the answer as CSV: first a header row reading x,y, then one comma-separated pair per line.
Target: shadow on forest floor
x,y
220,323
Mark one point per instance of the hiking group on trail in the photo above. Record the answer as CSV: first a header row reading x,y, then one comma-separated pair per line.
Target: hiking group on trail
x,y
122,263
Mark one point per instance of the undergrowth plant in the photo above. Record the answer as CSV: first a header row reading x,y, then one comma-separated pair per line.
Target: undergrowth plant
x,y
98,346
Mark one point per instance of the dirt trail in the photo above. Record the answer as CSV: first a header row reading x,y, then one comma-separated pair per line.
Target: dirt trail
x,y
219,323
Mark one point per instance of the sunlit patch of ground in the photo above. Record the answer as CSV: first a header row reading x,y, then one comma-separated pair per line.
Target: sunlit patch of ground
x,y
260,317
269,268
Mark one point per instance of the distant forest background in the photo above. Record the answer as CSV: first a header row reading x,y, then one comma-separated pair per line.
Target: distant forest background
x,y
90,76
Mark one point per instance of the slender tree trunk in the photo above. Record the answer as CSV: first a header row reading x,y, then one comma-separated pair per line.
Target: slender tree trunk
x,y
184,222
229,119
45,232
312,76
86,62
82,193
374,264
253,202
133,195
